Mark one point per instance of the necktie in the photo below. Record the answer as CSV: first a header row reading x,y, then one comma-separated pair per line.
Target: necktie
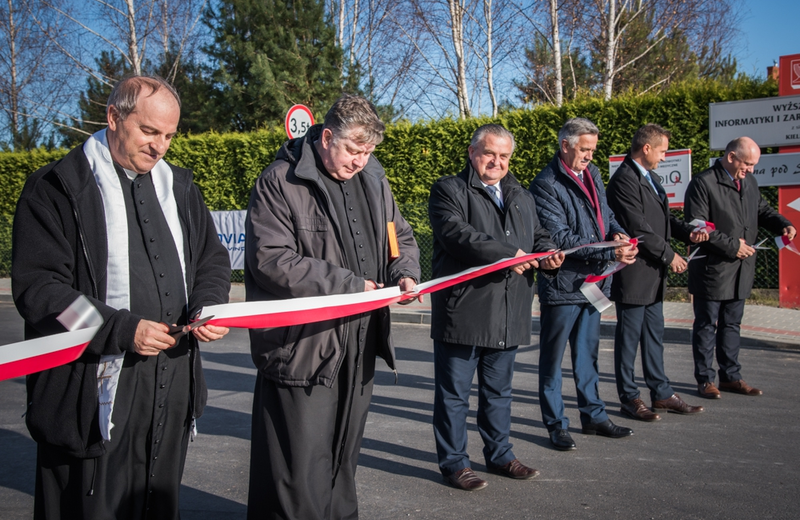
x,y
653,185
495,195
738,184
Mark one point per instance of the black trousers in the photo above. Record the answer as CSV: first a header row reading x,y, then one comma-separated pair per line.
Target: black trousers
x,y
305,443
716,328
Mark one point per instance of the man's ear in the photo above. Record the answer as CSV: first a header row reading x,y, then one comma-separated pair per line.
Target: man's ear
x,y
327,138
112,117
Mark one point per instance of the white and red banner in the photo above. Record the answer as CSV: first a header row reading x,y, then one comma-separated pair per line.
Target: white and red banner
x,y
26,357
82,321
784,242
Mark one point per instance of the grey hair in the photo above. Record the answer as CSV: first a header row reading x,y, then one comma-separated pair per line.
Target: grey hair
x,y
354,117
125,94
575,128
495,130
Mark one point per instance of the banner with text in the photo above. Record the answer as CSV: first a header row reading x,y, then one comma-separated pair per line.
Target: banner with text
x,y
674,174
230,229
769,121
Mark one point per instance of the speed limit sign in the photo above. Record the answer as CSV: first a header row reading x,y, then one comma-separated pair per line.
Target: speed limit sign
x,y
298,120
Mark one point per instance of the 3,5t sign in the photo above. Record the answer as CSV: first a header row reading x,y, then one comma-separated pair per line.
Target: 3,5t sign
x,y
298,120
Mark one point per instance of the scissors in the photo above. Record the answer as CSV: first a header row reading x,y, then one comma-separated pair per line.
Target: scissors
x,y
178,331
760,246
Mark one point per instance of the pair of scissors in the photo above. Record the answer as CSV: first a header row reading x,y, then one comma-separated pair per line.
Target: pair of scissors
x,y
178,331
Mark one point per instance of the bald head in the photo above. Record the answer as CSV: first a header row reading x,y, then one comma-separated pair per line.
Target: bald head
x,y
741,156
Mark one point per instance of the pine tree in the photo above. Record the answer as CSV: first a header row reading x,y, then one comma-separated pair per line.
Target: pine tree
x,y
268,55
92,102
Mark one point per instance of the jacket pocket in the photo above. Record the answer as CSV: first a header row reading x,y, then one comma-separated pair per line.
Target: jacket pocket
x,y
312,224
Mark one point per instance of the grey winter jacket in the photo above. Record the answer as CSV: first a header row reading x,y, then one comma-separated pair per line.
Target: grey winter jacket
x,y
293,249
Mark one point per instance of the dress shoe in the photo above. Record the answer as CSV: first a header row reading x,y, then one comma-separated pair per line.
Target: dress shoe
x,y
740,387
562,440
467,480
514,469
606,429
636,409
708,390
676,405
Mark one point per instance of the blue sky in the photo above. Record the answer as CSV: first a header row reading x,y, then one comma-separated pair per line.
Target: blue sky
x,y
770,29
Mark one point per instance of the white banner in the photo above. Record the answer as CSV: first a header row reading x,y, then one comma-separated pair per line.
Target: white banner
x,y
674,173
769,121
777,169
230,229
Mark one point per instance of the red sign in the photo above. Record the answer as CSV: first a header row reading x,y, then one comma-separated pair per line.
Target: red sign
x,y
789,196
298,120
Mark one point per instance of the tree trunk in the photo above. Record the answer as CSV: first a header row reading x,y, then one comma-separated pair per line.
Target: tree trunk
x,y
557,52
457,31
487,10
611,47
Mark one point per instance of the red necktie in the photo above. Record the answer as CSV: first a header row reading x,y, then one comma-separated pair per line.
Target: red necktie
x,y
738,184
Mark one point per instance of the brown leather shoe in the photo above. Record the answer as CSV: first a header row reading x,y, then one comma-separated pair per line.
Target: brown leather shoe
x,y
676,405
708,390
636,409
514,469
467,480
740,387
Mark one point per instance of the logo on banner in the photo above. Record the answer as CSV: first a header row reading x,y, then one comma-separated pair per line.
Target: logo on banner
x,y
794,74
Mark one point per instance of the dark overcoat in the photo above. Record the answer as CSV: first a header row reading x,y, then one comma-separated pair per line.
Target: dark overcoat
x,y
470,230
643,213
712,196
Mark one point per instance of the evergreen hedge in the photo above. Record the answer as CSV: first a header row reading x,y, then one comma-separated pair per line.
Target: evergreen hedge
x,y
415,155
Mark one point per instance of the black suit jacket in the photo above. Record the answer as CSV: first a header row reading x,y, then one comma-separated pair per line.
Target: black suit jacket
x,y
645,214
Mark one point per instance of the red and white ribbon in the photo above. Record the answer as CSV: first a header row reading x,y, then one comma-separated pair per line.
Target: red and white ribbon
x,y
784,242
700,225
26,357
589,287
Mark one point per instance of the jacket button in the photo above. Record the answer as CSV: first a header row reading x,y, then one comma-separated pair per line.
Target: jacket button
x,y
508,233
587,262
502,343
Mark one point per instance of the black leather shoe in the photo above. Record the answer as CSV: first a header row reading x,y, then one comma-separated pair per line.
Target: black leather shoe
x,y
562,440
514,469
607,429
466,479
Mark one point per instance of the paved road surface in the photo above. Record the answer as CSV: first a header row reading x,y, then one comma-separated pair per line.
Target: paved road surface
x,y
739,460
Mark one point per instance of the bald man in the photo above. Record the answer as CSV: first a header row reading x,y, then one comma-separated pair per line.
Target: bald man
x,y
727,195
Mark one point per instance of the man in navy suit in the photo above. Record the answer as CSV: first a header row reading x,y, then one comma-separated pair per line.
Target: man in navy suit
x,y
641,206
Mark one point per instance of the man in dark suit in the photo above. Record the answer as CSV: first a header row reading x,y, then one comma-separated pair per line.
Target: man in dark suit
x,y
642,208
727,196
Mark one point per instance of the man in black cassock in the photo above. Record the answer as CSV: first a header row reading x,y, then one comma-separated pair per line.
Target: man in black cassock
x,y
320,222
116,223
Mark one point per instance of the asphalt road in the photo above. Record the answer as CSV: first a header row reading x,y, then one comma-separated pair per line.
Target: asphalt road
x,y
738,460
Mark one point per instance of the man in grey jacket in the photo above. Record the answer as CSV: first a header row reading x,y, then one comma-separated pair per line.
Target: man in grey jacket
x,y
480,216
320,222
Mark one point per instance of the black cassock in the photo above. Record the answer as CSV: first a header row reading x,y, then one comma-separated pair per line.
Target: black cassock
x,y
139,475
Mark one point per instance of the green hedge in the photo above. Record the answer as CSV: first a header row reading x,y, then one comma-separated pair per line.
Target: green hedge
x,y
415,155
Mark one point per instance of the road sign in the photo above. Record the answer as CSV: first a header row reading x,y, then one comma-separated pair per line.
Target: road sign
x,y
674,173
768,121
298,120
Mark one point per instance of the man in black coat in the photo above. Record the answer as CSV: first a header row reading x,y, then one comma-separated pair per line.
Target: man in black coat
x,y
728,197
114,222
480,216
642,208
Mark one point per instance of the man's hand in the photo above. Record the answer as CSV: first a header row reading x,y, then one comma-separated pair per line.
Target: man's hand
x,y
625,254
678,264
790,232
206,333
407,284
699,236
151,338
744,250
622,237
370,285
552,262
521,268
